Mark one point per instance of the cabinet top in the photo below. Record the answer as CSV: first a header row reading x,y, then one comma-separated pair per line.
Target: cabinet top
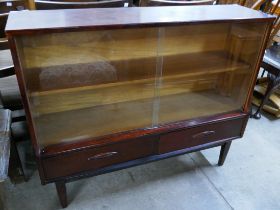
x,y
43,21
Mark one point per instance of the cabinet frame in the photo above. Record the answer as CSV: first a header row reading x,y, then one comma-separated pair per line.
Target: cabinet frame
x,y
42,155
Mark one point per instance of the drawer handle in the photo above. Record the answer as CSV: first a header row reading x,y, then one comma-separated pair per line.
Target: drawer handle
x,y
203,134
102,155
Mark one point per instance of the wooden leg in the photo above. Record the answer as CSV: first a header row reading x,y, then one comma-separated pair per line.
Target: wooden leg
x,y
61,192
223,153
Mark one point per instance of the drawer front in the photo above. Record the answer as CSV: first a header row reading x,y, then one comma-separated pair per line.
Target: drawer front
x,y
200,135
95,158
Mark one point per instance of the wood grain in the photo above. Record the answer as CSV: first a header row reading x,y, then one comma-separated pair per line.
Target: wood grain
x,y
93,122
89,19
199,135
45,102
117,45
149,52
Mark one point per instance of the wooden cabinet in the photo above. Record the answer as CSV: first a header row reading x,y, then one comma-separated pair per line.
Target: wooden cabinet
x,y
106,89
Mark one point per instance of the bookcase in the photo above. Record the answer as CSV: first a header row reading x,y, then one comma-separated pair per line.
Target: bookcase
x,y
106,89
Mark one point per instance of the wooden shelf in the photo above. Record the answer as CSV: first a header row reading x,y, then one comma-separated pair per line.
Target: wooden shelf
x,y
99,121
118,45
199,78
108,46
100,95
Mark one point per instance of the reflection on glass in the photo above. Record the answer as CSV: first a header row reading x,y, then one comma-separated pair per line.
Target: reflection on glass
x,y
88,84
209,69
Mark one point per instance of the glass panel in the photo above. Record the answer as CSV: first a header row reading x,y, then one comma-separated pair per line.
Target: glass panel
x,y
87,84
206,69
82,85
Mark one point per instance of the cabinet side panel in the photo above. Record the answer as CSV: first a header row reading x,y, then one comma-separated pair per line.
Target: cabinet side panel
x,y
16,48
257,65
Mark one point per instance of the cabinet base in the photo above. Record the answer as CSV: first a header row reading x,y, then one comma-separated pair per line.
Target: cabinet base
x,y
61,185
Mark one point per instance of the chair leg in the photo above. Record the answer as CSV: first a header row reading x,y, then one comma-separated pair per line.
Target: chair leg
x,y
272,83
61,192
16,172
263,73
257,114
223,153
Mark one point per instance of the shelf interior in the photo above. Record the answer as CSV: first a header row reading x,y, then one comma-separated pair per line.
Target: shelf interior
x,y
93,122
183,90
116,45
202,76
83,85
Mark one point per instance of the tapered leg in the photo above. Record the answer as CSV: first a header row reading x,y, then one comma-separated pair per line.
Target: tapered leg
x,y
61,192
223,153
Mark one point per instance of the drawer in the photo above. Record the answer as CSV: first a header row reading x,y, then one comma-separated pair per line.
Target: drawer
x,y
98,157
200,135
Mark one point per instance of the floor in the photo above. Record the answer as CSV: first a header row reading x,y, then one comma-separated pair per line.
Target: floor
x,y
249,180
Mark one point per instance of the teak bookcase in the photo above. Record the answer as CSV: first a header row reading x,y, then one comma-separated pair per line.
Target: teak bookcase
x,y
107,89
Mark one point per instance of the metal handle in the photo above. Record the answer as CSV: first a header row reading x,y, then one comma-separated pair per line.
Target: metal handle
x,y
102,155
203,134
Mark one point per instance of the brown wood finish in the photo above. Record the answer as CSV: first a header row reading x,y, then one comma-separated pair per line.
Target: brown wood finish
x,y
200,135
62,194
177,3
223,153
50,5
90,19
98,157
22,88
136,162
63,161
53,150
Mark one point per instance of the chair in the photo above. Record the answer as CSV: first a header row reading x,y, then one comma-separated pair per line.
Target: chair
x,y
5,134
240,2
3,20
6,64
130,2
271,61
9,91
45,5
5,7
176,3
245,3
12,5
